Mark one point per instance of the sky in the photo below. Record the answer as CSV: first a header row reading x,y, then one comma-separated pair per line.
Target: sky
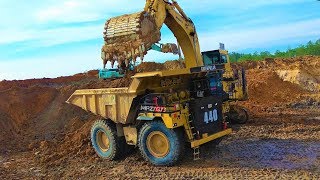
x,y
51,38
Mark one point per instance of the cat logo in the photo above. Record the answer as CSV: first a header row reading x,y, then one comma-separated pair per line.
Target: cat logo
x,y
210,116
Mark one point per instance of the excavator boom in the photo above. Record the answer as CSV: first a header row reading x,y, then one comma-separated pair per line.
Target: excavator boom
x,y
130,36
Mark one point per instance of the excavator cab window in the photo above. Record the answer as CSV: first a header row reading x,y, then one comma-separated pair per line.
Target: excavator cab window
x,y
214,57
224,59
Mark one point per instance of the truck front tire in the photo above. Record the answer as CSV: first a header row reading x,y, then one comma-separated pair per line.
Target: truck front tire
x,y
159,145
105,141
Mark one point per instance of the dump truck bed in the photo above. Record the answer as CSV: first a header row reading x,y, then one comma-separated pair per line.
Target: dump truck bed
x,y
115,103
112,103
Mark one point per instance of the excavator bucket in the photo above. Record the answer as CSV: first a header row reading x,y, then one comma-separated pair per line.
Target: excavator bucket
x,y
128,37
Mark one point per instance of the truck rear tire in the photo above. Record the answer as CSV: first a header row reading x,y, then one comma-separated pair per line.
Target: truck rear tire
x,y
159,145
105,141
238,115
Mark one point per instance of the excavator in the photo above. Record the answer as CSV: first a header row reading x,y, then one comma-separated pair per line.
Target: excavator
x,y
161,111
128,37
131,36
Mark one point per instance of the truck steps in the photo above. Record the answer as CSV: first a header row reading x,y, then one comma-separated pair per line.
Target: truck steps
x,y
196,153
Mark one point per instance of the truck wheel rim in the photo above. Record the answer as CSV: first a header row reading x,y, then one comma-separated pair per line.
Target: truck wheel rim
x,y
158,144
103,141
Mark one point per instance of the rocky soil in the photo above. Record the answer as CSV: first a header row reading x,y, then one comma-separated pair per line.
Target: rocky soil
x,y
42,137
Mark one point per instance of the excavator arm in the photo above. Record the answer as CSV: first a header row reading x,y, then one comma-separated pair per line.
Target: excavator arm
x,y
130,36
185,32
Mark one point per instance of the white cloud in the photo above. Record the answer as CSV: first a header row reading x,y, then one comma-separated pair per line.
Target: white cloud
x,y
51,66
199,7
66,35
15,35
79,11
87,10
51,37
68,11
261,37
33,17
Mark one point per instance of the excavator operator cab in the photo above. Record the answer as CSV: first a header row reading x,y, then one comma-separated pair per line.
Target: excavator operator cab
x,y
215,57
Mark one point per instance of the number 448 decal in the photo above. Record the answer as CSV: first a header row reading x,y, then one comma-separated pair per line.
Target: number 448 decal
x,y
210,116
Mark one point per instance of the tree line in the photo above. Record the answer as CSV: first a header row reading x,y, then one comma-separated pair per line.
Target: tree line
x,y
311,48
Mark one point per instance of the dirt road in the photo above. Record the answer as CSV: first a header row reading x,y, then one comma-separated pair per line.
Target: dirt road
x,y
270,149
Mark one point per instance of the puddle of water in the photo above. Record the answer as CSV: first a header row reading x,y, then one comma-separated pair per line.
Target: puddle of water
x,y
278,154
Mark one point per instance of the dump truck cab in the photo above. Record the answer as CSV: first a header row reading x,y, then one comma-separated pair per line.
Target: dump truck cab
x,y
234,80
215,57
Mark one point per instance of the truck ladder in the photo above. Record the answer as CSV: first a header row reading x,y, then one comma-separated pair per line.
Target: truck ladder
x,y
196,150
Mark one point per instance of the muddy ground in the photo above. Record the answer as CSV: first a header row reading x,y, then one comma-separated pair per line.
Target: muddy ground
x,y
42,137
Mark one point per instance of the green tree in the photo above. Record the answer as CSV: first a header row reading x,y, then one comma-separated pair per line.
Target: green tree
x,y
311,48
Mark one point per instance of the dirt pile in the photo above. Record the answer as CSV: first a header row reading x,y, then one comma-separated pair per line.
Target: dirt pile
x,y
75,144
266,87
278,83
153,66
304,78
34,110
48,82
22,104
304,71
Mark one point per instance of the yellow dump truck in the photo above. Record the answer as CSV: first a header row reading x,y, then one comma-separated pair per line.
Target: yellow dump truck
x,y
161,111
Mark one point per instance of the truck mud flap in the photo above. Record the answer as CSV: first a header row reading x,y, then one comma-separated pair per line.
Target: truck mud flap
x,y
134,109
